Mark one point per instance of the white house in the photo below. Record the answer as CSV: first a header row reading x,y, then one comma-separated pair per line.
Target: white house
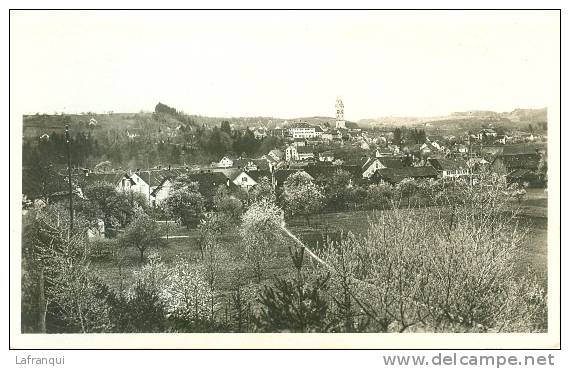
x,y
136,183
277,155
226,162
298,142
486,132
437,145
302,130
371,166
327,156
318,132
244,181
291,153
161,192
305,153
447,168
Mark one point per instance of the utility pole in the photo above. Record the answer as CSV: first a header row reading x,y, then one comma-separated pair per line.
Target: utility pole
x,y
68,144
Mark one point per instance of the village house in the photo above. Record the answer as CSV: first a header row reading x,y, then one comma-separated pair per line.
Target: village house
x,y
327,136
277,177
278,132
394,176
502,139
461,149
428,148
245,164
364,145
291,153
225,162
507,163
161,192
277,155
382,152
322,173
395,149
477,164
447,168
371,165
298,142
302,130
208,183
486,132
305,153
525,178
318,132
243,180
326,156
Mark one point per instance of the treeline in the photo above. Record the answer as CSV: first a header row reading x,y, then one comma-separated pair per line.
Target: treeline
x,y
169,137
411,136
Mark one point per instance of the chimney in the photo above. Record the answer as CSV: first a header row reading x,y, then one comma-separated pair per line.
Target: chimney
x,y
169,166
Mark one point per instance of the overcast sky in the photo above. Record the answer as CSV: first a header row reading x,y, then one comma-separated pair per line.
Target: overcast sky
x,y
284,64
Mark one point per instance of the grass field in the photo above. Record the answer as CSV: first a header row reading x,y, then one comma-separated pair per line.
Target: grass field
x,y
533,253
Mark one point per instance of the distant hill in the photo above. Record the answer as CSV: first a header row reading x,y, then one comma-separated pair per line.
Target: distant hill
x,y
527,115
471,119
38,124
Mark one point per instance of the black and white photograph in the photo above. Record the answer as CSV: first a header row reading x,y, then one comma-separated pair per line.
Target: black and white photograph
x,y
319,176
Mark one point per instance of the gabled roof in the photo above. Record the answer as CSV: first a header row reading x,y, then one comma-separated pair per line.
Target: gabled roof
x,y
520,161
111,178
208,182
301,125
276,152
523,174
368,163
397,175
323,171
156,177
448,164
386,162
391,162
256,175
326,153
243,162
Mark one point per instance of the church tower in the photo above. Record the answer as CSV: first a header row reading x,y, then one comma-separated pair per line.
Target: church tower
x,y
340,114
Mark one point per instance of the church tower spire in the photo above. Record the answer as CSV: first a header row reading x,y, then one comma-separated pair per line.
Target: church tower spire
x,y
340,123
